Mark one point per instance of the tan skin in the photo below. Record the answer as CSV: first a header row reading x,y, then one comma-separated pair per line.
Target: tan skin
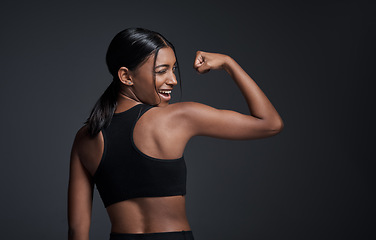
x,y
163,132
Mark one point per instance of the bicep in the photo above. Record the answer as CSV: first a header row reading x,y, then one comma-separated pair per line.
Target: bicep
x,y
80,195
204,120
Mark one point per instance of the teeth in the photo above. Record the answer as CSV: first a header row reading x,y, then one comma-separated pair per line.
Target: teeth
x,y
164,91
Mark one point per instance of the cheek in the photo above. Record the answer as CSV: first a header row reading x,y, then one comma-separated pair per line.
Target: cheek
x,y
145,91
144,84
159,80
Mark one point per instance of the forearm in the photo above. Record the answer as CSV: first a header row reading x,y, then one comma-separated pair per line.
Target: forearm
x,y
258,104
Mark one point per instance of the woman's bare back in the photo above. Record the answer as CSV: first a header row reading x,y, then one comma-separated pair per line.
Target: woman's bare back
x,y
141,215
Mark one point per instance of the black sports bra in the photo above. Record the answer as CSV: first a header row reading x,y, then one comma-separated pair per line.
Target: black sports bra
x,y
124,172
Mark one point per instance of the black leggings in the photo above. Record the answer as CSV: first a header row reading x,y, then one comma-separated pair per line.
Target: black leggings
x,y
181,235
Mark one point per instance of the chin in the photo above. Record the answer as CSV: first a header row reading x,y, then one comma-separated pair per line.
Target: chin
x,y
163,104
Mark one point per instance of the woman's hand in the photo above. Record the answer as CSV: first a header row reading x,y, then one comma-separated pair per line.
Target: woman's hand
x,y
206,61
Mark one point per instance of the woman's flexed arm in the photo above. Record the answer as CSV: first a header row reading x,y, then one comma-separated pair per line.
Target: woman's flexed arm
x,y
263,121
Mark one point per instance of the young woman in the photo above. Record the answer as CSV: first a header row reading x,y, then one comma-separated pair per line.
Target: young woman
x,y
131,147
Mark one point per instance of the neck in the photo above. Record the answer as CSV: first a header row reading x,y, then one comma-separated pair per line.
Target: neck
x,y
126,100
127,95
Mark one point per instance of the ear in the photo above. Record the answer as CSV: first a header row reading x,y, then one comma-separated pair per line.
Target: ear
x,y
125,77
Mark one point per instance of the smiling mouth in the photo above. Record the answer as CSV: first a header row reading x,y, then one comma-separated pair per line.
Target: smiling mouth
x,y
166,94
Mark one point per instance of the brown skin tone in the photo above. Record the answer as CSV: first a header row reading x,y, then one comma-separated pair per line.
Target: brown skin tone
x,y
163,132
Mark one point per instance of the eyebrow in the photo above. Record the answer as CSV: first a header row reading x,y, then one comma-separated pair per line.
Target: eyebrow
x,y
163,65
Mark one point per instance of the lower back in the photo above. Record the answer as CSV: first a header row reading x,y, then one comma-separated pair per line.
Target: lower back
x,y
148,215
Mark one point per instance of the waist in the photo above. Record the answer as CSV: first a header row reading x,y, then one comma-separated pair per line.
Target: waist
x,y
177,235
149,215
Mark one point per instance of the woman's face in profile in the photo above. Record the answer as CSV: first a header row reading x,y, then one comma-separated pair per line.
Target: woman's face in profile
x,y
165,79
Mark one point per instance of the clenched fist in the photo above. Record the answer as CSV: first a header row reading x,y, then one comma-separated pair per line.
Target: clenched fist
x,y
206,61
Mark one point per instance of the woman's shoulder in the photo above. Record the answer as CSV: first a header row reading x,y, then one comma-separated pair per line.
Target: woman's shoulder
x,y
184,107
88,148
180,113
173,112
181,110
83,136
189,110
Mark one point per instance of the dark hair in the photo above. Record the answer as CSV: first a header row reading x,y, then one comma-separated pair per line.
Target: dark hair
x,y
129,48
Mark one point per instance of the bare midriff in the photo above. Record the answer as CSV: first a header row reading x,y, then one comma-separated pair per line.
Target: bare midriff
x,y
149,215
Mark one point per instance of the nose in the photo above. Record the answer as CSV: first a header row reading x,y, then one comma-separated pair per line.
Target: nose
x,y
172,80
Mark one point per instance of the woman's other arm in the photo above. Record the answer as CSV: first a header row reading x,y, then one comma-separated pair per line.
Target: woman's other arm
x,y
80,195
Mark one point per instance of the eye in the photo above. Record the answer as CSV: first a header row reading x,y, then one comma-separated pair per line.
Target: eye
x,y
174,68
162,71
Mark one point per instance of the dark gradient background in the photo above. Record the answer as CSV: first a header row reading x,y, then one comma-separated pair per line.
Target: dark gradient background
x,y
315,60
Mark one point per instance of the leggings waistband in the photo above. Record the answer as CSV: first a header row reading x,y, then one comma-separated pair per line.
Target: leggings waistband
x,y
178,235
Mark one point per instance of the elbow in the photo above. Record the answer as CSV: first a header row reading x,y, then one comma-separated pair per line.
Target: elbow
x,y
276,127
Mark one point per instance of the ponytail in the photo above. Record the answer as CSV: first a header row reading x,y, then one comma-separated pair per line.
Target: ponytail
x,y
104,109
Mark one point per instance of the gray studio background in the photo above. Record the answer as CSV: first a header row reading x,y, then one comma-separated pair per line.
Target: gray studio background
x,y
314,60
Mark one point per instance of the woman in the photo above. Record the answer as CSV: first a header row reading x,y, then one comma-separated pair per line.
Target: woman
x,y
132,145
